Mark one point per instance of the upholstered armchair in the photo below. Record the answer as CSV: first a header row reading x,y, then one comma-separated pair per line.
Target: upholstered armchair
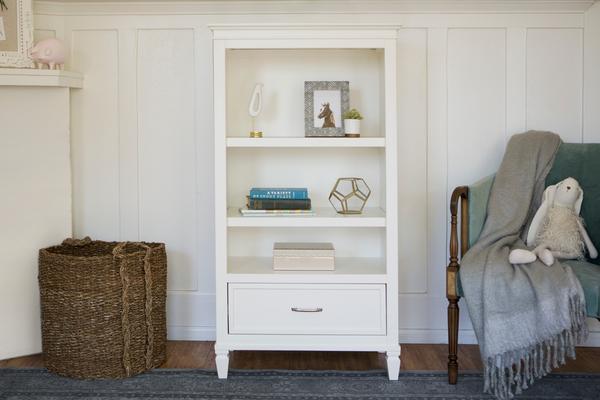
x,y
581,161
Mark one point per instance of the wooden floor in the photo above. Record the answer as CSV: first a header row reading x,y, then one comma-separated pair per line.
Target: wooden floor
x,y
182,354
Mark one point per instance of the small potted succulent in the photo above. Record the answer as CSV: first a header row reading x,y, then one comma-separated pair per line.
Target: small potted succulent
x,y
352,123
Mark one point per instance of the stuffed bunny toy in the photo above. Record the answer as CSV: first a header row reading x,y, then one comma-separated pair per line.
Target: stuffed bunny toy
x,y
557,230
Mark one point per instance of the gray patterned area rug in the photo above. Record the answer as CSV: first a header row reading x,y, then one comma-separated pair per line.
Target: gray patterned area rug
x,y
162,384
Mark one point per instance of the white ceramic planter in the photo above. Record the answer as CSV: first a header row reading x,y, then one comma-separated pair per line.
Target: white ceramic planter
x,y
352,127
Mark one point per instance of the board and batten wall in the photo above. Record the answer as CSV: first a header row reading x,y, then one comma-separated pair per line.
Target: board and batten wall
x,y
142,137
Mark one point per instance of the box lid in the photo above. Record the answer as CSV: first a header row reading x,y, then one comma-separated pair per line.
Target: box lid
x,y
303,246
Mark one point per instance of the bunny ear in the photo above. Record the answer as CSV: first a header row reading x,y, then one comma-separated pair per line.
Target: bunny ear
x,y
549,194
538,218
579,201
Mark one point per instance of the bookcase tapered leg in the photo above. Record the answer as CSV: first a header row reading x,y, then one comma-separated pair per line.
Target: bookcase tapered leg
x,y
393,364
222,361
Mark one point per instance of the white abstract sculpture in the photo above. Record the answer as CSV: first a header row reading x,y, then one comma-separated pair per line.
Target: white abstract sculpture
x,y
255,106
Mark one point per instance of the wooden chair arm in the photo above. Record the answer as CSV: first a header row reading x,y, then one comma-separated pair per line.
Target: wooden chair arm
x,y
460,194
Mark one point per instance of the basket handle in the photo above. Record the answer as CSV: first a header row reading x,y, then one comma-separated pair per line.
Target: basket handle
x,y
77,242
120,256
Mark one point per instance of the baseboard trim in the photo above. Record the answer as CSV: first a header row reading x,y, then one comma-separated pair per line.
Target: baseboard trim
x,y
195,333
434,336
422,336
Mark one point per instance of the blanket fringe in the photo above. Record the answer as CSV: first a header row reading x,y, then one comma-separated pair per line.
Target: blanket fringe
x,y
512,372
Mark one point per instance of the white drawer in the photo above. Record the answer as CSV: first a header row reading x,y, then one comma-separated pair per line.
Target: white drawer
x,y
311,309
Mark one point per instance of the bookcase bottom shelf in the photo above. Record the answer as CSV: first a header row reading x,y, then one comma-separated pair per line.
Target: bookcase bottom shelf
x,y
347,270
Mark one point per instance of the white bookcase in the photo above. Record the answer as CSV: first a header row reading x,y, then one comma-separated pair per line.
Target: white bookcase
x,y
355,307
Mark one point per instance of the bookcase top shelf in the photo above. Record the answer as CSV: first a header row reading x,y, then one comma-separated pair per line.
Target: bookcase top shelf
x,y
305,142
347,270
324,217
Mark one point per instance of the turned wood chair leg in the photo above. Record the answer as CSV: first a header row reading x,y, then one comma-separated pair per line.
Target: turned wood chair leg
x,y
453,313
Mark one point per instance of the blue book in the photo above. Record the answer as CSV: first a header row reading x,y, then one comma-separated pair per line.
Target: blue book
x,y
279,193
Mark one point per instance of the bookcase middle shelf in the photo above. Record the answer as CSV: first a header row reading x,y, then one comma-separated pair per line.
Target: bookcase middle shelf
x,y
371,217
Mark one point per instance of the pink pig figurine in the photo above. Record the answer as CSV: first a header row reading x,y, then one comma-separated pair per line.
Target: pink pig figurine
x,y
50,52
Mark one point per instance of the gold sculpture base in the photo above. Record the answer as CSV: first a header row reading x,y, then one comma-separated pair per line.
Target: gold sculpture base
x,y
352,135
350,212
256,134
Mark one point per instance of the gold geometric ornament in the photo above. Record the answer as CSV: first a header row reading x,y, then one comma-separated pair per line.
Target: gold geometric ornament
x,y
349,195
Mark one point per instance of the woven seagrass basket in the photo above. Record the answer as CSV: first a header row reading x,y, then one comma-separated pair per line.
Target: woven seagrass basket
x,y
103,307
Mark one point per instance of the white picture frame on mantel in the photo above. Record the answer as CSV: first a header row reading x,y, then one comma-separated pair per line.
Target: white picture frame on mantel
x,y
16,33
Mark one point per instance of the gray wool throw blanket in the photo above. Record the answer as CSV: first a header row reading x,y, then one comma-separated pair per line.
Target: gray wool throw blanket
x,y
528,317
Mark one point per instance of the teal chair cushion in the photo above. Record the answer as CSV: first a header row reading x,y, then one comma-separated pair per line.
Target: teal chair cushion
x,y
582,162
479,194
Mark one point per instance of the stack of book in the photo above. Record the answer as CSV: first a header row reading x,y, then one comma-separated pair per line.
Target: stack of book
x,y
277,201
303,257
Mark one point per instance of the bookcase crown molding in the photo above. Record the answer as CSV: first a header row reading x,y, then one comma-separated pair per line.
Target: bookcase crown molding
x,y
304,31
152,7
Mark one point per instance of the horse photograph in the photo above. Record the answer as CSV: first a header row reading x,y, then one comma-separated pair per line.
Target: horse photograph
x,y
327,108
327,115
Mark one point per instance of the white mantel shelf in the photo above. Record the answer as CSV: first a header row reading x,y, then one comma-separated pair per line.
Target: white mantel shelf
x,y
40,78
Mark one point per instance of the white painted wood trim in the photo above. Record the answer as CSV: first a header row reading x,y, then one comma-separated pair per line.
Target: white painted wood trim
x,y
347,270
305,142
390,71
220,91
324,217
257,40
272,32
99,7
40,77
423,336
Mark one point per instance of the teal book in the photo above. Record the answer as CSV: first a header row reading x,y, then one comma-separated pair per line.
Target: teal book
x,y
279,193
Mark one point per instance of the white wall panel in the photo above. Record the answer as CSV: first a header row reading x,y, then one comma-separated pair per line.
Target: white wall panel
x,y
591,113
477,87
205,161
555,81
39,34
412,160
167,148
95,135
437,160
516,80
128,137
143,132
476,103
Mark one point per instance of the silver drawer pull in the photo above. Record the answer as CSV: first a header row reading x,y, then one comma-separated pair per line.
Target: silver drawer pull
x,y
297,309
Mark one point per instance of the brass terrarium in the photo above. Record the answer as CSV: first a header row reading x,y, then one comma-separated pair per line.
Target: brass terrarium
x,y
349,195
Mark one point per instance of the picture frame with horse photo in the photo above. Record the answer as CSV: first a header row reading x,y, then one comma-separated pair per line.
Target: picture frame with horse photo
x,y
324,104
